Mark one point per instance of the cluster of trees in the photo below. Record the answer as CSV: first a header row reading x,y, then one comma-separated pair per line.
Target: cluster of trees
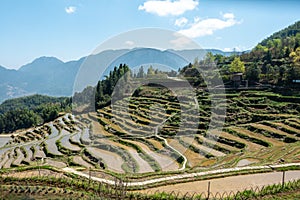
x,y
100,96
225,65
153,73
26,112
85,97
105,87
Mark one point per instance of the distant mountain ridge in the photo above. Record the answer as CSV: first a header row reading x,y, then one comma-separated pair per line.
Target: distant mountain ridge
x,y
41,62
51,76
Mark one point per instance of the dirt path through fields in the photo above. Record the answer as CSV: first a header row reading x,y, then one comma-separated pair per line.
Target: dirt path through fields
x,y
167,144
185,176
229,184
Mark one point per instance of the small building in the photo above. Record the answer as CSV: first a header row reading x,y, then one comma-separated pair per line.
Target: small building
x,y
237,78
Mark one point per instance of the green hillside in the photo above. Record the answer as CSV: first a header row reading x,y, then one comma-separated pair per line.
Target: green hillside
x,y
29,111
275,61
276,58
289,32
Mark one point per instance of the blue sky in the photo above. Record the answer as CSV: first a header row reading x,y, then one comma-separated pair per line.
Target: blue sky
x,y
71,29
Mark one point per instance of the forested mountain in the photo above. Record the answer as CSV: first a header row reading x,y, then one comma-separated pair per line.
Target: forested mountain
x,y
30,111
286,33
32,102
276,61
45,75
277,47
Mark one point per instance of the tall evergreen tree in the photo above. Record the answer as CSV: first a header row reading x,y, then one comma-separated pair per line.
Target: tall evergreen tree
x,y
106,87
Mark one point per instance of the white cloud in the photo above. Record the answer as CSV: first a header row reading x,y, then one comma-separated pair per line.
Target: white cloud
x,y
228,16
196,19
180,42
181,21
168,7
129,43
70,9
208,26
227,49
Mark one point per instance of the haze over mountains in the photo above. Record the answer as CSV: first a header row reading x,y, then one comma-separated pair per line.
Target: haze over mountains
x,y
51,76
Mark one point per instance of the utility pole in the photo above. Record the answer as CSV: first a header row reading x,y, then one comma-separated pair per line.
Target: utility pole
x,y
283,178
208,190
90,174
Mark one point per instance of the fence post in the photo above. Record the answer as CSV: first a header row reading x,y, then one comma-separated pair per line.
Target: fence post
x,y
208,190
90,175
283,179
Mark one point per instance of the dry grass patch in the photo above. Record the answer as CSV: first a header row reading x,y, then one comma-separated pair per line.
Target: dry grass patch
x,y
193,158
155,143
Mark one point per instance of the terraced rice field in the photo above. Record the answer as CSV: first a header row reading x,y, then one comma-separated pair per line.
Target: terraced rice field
x,y
65,141
47,143
4,140
148,133
256,123
115,161
51,147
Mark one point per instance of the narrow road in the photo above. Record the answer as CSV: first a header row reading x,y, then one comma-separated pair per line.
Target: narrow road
x,y
166,142
180,176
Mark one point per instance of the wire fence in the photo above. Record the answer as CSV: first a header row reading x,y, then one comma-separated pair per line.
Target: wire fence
x,y
46,182
40,182
252,193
